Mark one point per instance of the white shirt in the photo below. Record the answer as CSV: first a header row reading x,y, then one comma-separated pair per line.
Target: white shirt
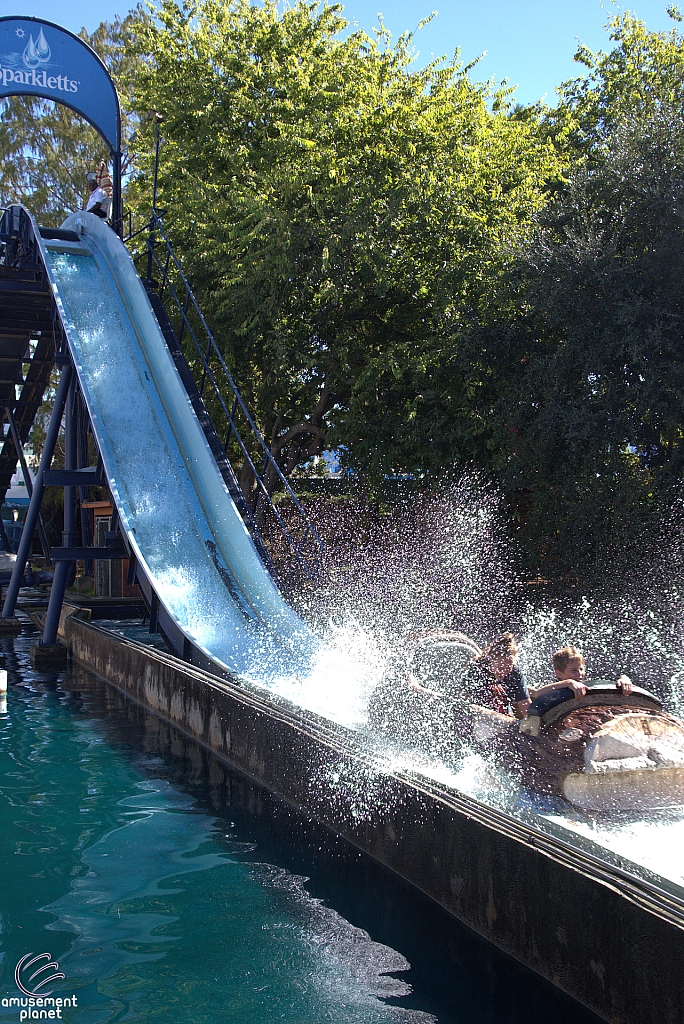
x,y
98,195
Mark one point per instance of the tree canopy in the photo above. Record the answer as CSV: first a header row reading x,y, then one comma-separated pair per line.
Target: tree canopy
x,y
341,214
401,264
590,426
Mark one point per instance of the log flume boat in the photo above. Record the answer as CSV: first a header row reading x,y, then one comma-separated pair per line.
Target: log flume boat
x,y
605,751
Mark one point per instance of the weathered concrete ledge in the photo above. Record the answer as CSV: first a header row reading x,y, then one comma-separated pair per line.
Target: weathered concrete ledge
x,y
611,941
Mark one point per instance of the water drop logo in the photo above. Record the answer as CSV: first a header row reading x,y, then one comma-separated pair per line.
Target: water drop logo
x,y
26,964
38,52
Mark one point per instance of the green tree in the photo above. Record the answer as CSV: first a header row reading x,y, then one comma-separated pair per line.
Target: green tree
x,y
641,74
590,426
341,214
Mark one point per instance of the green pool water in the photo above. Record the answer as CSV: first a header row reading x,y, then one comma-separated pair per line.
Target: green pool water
x,y
171,889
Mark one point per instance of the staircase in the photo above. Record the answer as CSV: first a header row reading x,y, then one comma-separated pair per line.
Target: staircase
x,y
29,333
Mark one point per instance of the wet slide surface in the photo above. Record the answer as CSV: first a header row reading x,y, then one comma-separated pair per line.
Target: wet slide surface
x,y
174,505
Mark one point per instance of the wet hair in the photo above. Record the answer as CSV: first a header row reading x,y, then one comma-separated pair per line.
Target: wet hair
x,y
562,658
503,647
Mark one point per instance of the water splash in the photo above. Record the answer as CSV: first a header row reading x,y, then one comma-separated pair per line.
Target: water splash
x,y
445,561
433,562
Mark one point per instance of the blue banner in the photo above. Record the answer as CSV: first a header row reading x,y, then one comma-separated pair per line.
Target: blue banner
x,y
38,58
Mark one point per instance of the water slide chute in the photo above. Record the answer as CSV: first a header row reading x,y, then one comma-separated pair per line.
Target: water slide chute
x,y
194,557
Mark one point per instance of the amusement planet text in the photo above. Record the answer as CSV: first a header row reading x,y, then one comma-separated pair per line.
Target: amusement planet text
x,y
39,1007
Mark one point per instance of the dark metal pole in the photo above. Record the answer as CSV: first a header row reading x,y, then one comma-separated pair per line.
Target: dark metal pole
x,y
27,480
69,540
37,497
4,538
117,213
82,461
156,117
150,250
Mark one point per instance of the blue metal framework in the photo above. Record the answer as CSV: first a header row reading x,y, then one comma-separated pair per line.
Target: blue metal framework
x,y
101,109
29,334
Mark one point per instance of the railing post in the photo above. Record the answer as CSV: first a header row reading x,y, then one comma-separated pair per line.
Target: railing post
x,y
117,207
150,249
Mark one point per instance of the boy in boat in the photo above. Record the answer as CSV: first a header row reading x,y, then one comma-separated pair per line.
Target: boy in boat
x,y
570,671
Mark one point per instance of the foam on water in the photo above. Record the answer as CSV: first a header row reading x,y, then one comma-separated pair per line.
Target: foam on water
x,y
345,671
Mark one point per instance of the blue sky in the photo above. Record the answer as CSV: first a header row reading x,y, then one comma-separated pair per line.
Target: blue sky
x,y
530,42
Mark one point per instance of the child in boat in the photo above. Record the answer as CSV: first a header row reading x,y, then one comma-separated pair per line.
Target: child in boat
x,y
570,671
494,680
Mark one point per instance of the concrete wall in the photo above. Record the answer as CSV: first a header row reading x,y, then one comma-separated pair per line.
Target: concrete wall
x,y
613,943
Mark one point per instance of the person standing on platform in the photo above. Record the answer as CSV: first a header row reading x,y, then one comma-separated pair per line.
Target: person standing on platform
x,y
100,185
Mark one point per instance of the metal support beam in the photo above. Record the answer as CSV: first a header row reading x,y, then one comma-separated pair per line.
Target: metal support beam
x,y
87,519
38,490
154,613
101,554
111,537
117,207
88,477
64,570
42,536
131,577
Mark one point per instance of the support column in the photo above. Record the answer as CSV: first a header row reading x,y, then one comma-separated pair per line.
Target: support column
x,y
82,460
36,498
64,569
6,546
27,480
117,211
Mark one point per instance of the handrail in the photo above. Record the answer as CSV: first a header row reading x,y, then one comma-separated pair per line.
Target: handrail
x,y
307,546
17,239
